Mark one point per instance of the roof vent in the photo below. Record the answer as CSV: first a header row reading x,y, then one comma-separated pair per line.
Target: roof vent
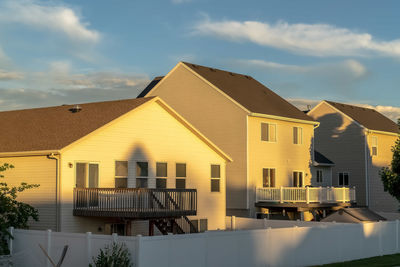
x,y
75,109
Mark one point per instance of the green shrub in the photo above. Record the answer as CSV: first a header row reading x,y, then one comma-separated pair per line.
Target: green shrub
x,y
116,255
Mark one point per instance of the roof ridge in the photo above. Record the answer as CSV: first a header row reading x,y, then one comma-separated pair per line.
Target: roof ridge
x,y
212,68
351,105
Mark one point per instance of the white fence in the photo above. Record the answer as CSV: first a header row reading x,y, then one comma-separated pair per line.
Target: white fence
x,y
294,246
306,194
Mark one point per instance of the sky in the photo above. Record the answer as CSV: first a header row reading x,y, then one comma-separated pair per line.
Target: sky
x,y
67,52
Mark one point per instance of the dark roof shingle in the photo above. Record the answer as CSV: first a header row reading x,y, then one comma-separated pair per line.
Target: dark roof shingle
x,y
369,118
321,159
53,128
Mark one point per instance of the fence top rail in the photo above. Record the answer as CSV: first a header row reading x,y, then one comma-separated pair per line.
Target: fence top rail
x,y
119,190
305,187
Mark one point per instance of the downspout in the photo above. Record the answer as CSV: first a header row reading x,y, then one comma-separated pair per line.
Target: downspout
x,y
366,168
57,158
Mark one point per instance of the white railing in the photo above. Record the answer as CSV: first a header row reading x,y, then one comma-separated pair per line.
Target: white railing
x,y
306,194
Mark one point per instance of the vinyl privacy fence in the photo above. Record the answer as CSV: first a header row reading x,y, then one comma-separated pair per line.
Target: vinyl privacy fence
x,y
294,246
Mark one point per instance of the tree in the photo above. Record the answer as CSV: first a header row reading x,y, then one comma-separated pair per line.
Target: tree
x,y
13,212
391,176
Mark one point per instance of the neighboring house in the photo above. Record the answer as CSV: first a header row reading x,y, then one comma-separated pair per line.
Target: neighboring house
x,y
118,166
354,215
359,141
321,170
269,139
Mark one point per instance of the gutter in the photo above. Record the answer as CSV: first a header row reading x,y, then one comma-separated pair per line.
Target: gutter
x,y
366,169
283,118
28,153
57,158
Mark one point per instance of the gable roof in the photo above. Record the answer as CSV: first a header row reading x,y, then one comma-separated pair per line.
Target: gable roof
x,y
53,128
369,118
247,92
150,86
320,159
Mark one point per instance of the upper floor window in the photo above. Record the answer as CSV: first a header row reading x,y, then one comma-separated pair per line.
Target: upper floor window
x,y
343,178
121,174
319,176
268,132
297,135
374,145
268,177
215,178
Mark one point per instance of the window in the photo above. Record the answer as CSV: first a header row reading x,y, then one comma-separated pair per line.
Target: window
x,y
87,175
268,177
200,225
297,179
142,172
180,176
268,132
343,178
161,171
319,176
121,174
374,141
215,178
297,135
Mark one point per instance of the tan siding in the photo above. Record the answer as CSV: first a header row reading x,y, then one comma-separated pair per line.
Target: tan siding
x,y
380,200
342,141
35,170
217,118
150,134
282,155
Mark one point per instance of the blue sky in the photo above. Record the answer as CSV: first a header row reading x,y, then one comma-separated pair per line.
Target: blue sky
x,y
56,52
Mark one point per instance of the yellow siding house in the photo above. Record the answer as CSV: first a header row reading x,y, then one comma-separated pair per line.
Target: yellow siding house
x,y
269,140
130,166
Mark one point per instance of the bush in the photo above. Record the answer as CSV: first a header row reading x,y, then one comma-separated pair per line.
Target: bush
x,y
113,256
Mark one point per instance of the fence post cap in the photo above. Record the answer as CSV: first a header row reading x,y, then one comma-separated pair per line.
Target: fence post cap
x,y
49,230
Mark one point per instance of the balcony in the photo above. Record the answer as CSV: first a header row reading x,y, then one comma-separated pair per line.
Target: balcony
x,y
135,203
307,195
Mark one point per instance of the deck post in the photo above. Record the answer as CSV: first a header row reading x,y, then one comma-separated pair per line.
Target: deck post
x,y
233,223
320,194
307,194
344,194
281,195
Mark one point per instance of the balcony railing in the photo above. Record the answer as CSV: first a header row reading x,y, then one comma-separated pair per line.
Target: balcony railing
x,y
134,202
306,194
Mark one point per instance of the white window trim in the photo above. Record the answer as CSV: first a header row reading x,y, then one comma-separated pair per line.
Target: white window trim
x,y
148,169
161,177
262,181
301,135
214,178
372,145
302,178
115,165
87,171
338,177
316,178
276,132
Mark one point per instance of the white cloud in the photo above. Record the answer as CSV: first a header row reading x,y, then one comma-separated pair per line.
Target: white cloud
x,y
349,68
307,39
47,16
391,112
10,75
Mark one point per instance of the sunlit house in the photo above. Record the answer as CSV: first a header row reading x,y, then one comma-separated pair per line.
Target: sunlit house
x,y
130,166
359,141
269,140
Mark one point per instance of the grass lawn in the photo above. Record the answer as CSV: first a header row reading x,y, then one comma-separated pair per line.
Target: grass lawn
x,y
389,260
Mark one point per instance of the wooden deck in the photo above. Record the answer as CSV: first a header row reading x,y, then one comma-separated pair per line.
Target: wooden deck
x,y
135,203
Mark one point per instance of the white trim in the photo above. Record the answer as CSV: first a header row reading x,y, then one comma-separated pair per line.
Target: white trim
x,y
348,176
276,132
87,162
302,178
262,177
280,118
383,132
301,135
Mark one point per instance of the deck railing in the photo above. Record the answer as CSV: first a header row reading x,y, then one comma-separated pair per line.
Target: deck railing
x,y
306,194
134,202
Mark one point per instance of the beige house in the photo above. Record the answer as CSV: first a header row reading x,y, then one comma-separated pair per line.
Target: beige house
x,y
359,141
269,139
118,166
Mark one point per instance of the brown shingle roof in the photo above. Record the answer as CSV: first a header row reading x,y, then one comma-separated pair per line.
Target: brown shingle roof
x,y
369,118
53,128
249,93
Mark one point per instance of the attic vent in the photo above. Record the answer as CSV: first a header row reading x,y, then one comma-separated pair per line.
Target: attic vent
x,y
75,109
214,70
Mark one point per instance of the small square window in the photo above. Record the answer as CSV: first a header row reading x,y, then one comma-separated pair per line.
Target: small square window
x,y
161,183
141,183
161,169
215,171
215,185
142,169
121,182
180,183
180,169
